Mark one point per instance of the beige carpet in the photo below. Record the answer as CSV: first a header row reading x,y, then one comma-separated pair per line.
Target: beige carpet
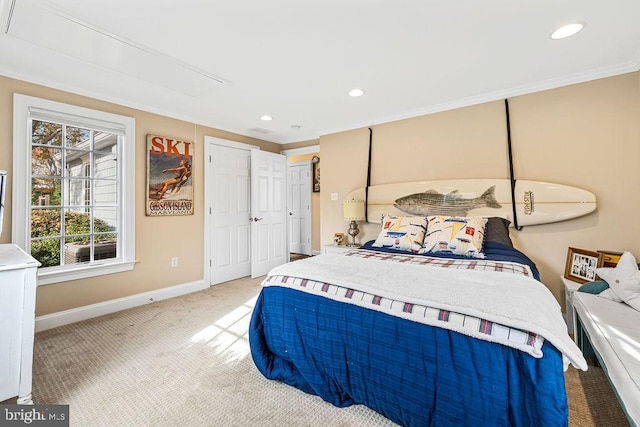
x,y
186,361
592,401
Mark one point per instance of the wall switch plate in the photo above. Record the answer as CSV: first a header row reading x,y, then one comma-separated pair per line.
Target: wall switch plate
x,y
174,261
334,196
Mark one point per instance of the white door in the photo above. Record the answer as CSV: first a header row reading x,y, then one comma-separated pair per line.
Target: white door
x,y
299,204
229,226
268,211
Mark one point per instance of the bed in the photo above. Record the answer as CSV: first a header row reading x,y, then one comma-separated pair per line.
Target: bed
x,y
424,339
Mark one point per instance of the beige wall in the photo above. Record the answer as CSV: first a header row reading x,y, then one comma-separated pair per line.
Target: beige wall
x,y
157,238
315,199
585,135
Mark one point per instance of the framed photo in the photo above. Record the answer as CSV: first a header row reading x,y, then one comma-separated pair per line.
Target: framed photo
x,y
338,238
169,182
610,259
581,265
316,174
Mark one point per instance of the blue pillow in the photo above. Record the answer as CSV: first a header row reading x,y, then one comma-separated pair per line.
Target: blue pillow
x,y
594,287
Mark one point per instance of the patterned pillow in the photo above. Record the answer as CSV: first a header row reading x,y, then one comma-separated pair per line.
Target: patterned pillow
x,y
404,233
454,235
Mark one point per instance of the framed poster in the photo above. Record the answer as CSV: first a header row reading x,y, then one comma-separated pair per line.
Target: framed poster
x,y
169,176
581,265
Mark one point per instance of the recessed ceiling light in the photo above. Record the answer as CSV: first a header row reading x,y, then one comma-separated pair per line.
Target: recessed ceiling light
x,y
356,92
266,118
567,30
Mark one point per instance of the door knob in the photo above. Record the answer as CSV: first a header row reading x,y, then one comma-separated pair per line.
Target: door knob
x,y
255,219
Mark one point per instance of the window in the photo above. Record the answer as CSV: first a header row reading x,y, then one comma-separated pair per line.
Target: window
x,y
73,189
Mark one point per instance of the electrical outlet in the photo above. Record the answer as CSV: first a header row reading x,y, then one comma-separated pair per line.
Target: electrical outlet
x,y
334,196
174,261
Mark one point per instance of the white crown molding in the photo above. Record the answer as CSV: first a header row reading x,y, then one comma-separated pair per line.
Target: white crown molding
x,y
11,73
302,150
630,66
600,73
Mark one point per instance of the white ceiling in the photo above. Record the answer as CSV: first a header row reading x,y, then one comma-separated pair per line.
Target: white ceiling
x,y
224,64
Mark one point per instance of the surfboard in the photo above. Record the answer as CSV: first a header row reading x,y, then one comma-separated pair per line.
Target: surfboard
x,y
536,202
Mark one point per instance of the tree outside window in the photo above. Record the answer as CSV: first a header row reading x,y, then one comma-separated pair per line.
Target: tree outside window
x,y
73,194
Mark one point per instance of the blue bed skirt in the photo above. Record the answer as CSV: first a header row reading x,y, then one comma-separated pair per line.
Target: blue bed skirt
x,y
413,374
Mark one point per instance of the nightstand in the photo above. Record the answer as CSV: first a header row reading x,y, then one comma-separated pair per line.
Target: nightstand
x,y
569,288
335,249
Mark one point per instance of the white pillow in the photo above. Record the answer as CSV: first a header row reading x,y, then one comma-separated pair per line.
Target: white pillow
x,y
609,293
404,233
454,235
623,280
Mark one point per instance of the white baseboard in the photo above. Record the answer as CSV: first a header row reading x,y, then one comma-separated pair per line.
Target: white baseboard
x,y
314,252
73,315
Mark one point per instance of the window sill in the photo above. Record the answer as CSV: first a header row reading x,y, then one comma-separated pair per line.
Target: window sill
x,y
90,270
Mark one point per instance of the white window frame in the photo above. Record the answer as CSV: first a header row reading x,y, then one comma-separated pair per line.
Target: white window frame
x,y
24,109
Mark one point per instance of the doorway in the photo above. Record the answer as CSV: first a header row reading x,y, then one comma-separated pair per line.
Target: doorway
x,y
299,204
245,210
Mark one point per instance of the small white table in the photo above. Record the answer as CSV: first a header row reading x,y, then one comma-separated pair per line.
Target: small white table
x,y
569,288
336,249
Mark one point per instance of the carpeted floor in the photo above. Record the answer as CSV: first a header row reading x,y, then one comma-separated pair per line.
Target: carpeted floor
x,y
592,401
186,361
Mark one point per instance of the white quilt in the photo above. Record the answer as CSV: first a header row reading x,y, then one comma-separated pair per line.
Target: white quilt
x,y
505,298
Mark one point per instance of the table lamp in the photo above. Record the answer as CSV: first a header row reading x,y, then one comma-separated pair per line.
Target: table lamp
x,y
353,210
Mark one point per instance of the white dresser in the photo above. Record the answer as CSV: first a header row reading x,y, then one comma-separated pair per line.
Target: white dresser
x,y
17,321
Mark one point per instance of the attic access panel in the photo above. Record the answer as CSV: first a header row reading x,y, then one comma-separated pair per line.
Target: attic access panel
x,y
57,30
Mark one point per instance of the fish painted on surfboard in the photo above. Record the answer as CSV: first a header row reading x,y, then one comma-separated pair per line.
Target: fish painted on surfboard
x,y
536,202
452,204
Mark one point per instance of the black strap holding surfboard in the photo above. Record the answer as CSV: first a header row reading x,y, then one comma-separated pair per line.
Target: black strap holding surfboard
x,y
366,196
511,176
507,198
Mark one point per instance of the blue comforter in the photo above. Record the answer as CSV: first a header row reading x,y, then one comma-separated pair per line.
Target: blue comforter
x,y
411,373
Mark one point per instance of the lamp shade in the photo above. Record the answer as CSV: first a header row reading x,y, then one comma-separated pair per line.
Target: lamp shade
x,y
353,210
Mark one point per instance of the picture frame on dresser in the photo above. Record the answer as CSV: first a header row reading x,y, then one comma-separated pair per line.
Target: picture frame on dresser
x,y
581,265
610,258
